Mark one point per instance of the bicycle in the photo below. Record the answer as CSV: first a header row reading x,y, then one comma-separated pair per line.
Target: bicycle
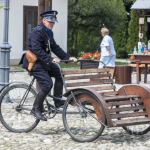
x,y
16,102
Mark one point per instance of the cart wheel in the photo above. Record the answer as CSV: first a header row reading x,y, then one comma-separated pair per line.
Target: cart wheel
x,y
144,93
80,125
16,117
137,129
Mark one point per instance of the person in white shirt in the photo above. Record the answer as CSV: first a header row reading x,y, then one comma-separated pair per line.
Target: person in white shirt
x,y
108,53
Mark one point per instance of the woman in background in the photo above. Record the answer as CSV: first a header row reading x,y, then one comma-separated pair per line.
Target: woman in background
x,y
108,53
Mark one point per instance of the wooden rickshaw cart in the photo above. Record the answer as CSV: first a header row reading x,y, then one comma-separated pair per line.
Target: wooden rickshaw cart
x,y
92,103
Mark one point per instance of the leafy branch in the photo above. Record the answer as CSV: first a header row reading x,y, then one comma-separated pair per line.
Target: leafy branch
x,y
1,6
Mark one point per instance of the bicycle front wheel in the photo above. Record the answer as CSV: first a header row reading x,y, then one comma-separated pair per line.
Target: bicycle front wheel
x,y
16,117
82,123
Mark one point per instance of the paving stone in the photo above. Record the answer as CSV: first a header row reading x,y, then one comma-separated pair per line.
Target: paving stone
x,y
51,135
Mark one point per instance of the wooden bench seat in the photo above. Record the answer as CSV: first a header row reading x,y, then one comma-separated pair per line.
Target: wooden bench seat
x,y
96,79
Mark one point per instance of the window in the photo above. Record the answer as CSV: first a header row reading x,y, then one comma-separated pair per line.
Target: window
x,y
30,22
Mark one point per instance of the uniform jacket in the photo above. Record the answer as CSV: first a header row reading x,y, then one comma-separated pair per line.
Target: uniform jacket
x,y
38,44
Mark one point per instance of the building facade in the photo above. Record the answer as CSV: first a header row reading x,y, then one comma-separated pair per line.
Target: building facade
x,y
23,17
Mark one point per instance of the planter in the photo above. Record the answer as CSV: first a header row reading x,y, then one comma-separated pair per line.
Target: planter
x,y
89,65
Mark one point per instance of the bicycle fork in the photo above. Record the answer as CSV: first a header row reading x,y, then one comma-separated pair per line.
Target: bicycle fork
x,y
26,92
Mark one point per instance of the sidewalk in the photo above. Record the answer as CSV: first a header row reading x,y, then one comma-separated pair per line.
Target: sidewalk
x,y
51,135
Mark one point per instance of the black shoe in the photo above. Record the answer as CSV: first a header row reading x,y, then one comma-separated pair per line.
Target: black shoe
x,y
33,112
59,103
38,106
36,112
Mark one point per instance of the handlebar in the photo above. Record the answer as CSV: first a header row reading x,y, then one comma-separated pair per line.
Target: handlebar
x,y
80,60
66,60
83,60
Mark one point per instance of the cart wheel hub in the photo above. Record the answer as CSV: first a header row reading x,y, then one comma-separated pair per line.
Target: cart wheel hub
x,y
84,115
18,108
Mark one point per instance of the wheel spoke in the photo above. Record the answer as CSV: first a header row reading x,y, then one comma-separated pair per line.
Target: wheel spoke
x,y
81,125
14,116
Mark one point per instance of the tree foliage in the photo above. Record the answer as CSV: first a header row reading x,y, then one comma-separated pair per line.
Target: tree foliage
x,y
120,37
85,21
128,4
1,6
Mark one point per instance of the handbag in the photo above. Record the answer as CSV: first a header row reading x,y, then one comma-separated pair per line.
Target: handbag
x,y
31,57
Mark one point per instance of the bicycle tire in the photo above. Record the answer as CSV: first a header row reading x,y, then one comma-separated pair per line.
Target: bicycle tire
x,y
9,103
94,128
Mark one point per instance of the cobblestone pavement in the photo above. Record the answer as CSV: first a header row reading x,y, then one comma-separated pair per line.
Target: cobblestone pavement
x,y
51,134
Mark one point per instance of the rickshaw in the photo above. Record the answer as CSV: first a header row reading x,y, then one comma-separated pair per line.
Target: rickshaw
x,y
91,104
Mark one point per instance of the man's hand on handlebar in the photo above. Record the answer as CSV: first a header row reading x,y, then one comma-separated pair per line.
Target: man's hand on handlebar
x,y
74,59
56,60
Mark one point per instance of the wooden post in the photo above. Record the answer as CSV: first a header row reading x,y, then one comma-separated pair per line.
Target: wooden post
x,y
140,26
140,30
41,8
43,5
145,75
137,70
48,5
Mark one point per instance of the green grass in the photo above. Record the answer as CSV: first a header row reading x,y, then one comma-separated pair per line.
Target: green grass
x,y
121,63
62,65
121,58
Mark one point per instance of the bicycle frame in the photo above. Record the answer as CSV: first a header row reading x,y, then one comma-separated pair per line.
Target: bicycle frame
x,y
63,99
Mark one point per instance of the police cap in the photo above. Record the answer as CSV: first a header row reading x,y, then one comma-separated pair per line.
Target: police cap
x,y
50,15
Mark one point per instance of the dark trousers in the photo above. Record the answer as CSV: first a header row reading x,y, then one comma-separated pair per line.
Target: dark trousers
x,y
44,78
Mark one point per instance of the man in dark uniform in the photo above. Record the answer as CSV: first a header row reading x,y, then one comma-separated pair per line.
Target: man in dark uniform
x,y
41,42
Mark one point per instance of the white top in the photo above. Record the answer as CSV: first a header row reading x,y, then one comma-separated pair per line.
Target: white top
x,y
107,41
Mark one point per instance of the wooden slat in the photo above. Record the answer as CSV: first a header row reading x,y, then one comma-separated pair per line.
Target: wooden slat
x,y
109,81
133,121
127,108
109,93
87,76
134,114
84,71
111,87
124,102
100,88
120,97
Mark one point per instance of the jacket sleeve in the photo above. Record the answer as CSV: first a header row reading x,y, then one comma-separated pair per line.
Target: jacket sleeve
x,y
36,42
58,51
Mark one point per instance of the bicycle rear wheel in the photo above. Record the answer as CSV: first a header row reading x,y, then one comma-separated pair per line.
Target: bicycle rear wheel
x,y
16,117
80,125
